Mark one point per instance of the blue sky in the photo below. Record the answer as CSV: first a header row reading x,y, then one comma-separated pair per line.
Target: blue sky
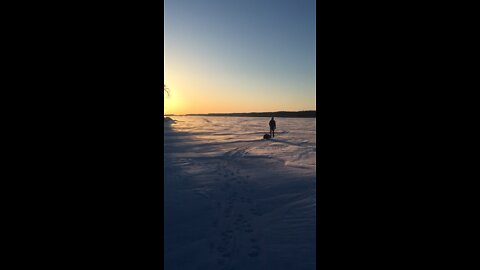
x,y
239,55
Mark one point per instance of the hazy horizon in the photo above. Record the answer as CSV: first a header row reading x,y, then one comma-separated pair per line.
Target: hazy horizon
x,y
242,112
239,56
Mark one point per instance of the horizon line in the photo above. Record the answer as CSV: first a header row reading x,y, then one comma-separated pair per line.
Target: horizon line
x,y
245,112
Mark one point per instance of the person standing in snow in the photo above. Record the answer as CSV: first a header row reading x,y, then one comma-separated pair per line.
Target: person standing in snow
x,y
273,126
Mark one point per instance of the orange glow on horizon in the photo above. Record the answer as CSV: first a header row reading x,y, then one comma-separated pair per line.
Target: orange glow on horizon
x,y
179,103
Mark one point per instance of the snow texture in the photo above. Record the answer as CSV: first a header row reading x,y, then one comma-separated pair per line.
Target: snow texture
x,y
236,201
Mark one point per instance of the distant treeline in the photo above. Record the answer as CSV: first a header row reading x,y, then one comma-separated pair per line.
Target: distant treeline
x,y
301,114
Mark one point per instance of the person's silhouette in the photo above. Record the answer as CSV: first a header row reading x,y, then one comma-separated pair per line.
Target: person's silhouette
x,y
273,126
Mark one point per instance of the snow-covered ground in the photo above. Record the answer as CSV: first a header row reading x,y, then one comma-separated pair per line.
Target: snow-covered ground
x,y
236,201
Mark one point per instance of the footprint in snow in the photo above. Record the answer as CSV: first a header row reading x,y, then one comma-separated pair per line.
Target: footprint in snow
x,y
225,242
253,254
255,251
255,212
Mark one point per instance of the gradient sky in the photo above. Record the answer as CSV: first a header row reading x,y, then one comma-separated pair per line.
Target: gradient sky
x,y
239,55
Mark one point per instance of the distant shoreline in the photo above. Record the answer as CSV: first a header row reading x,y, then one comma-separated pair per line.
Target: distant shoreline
x,y
300,114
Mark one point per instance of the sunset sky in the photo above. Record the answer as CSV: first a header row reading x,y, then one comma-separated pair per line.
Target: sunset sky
x,y
239,55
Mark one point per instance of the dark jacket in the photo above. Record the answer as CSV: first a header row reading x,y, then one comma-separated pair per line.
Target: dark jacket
x,y
272,124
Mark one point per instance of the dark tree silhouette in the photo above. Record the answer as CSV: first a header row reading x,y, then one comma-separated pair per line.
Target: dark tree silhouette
x,y
166,90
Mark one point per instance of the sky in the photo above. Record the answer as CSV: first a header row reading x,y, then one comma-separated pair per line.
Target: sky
x,y
239,55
